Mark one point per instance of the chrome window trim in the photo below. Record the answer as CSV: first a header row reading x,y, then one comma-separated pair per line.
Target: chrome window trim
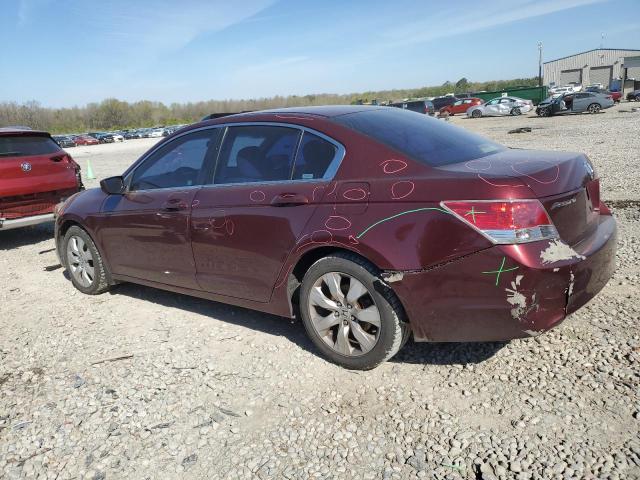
x,y
329,174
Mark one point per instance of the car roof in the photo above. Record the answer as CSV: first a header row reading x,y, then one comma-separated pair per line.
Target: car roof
x,y
305,113
21,131
326,111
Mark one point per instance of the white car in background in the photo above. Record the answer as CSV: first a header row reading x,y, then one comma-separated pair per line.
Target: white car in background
x,y
117,137
156,132
501,106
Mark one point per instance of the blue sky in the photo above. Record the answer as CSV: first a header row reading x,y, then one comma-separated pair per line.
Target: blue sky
x,y
70,52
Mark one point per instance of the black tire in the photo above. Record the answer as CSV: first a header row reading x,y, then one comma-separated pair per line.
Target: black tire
x,y
637,98
393,332
99,283
594,108
476,114
545,112
515,111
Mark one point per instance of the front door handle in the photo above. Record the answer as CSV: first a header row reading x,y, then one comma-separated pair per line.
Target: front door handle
x,y
289,200
174,205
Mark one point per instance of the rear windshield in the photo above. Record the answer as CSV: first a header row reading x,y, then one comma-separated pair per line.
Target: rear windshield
x,y
420,137
26,145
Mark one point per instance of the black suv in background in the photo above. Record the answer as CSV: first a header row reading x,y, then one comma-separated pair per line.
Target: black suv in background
x,y
440,102
420,106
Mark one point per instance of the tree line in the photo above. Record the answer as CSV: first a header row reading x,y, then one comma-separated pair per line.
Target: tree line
x,y
112,114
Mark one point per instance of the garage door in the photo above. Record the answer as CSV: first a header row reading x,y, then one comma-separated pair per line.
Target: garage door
x,y
568,76
600,75
633,72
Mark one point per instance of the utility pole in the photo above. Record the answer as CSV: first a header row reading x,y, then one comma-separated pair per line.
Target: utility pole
x,y
540,64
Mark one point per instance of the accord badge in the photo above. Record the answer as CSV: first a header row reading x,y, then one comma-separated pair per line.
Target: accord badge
x,y
563,204
25,166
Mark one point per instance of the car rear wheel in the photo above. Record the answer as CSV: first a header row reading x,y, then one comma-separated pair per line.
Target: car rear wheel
x,y
476,114
516,111
594,108
84,263
637,98
351,317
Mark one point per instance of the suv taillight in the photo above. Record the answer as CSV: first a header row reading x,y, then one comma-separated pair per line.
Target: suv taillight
x,y
505,221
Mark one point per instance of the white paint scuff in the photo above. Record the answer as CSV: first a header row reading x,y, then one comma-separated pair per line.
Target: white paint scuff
x,y
519,301
558,251
534,333
572,278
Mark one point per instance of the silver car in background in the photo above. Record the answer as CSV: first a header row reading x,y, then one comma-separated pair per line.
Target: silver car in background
x,y
501,106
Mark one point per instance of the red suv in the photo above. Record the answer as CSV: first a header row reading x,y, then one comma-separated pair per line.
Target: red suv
x,y
461,106
35,175
371,223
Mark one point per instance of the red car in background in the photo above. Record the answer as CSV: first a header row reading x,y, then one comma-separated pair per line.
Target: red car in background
x,y
373,223
461,106
615,96
35,175
85,140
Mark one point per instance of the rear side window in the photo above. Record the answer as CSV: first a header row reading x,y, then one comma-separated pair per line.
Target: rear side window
x,y
257,153
27,145
314,157
420,137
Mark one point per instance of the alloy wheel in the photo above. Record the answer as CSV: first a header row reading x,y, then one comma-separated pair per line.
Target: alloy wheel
x,y
80,261
344,314
594,108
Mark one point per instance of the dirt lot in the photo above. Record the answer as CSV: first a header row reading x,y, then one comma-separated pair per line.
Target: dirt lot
x,y
211,391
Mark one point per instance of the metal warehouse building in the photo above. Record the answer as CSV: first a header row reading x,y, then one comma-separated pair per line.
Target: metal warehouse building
x,y
601,65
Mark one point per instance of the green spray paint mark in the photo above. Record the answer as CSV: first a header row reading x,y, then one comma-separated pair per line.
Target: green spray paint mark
x,y
473,213
501,270
399,215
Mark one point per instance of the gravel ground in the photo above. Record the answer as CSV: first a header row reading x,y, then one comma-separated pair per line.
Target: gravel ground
x,y
140,383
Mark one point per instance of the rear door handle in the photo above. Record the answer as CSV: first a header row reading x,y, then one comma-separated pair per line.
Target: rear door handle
x,y
289,200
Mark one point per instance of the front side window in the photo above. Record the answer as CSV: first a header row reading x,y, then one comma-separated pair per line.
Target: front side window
x,y
257,153
177,164
314,157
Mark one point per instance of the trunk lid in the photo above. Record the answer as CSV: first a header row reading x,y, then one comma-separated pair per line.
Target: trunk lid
x,y
564,182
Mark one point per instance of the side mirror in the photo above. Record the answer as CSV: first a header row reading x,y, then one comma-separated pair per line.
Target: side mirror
x,y
113,185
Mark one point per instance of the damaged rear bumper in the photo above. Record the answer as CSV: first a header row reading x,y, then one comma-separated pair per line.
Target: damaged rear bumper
x,y
506,291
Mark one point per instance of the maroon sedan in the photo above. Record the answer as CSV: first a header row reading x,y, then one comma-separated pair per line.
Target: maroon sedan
x,y
371,223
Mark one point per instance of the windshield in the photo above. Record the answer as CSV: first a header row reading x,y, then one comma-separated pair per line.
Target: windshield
x,y
420,137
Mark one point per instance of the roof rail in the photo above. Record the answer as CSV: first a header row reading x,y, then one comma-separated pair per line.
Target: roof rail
x,y
213,116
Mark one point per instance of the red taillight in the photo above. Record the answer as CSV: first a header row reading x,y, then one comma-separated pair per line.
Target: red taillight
x,y
505,221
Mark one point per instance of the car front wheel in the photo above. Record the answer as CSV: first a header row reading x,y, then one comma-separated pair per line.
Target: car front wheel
x,y
84,263
350,315
516,111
